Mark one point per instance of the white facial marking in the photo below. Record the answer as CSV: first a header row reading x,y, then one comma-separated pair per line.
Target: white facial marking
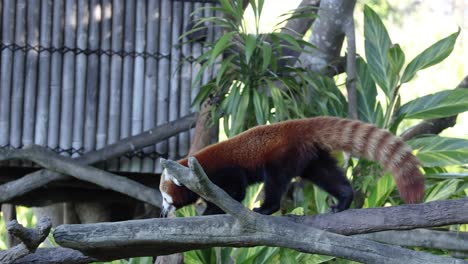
x,y
167,207
167,198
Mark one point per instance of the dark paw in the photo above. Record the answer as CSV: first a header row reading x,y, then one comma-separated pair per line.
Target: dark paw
x,y
336,208
264,211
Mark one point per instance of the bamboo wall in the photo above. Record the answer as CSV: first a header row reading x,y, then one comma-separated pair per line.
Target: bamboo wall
x,y
76,75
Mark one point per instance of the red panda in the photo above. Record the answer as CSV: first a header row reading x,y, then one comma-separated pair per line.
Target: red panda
x,y
274,154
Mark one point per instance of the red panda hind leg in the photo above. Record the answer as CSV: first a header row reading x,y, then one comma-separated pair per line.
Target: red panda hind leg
x,y
324,172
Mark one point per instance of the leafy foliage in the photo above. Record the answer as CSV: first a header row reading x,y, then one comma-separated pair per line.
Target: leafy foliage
x,y
436,151
255,86
441,104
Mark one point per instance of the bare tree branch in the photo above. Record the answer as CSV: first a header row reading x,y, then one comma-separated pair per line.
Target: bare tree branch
x,y
433,126
9,214
57,255
446,240
408,216
351,77
30,239
52,161
40,178
300,26
328,35
245,228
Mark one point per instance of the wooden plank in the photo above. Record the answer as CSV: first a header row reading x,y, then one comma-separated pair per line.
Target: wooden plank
x,y
7,35
138,77
68,80
127,78
80,76
56,75
42,112
151,69
92,77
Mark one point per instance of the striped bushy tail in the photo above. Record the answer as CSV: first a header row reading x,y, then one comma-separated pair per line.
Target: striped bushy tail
x,y
366,140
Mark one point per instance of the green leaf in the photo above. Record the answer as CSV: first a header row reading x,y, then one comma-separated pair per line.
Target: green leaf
x,y
287,255
448,175
441,104
225,65
396,57
204,92
377,44
267,52
442,190
250,45
368,109
321,200
261,107
221,45
238,122
432,55
380,192
440,151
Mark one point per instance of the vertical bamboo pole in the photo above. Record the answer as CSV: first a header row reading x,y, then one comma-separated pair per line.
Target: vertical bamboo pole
x,y
42,113
164,70
104,74
116,76
127,78
92,76
53,133
17,100
196,51
68,81
207,12
175,74
186,80
138,77
80,76
32,35
8,35
151,69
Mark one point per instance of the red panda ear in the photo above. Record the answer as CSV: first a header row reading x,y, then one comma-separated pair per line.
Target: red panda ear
x,y
168,177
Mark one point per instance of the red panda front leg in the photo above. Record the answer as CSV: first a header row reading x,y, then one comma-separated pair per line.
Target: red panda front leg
x,y
275,184
232,180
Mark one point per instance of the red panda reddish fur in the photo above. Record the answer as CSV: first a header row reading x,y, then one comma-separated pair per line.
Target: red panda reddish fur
x,y
272,153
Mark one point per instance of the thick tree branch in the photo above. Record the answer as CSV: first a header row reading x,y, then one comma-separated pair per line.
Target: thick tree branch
x,y
52,161
328,35
408,216
445,240
300,26
57,255
165,236
30,239
40,178
351,78
433,126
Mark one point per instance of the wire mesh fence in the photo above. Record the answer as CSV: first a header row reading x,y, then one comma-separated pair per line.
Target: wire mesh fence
x,y
77,75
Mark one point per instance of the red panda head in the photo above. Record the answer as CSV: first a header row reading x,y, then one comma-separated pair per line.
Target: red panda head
x,y
174,194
